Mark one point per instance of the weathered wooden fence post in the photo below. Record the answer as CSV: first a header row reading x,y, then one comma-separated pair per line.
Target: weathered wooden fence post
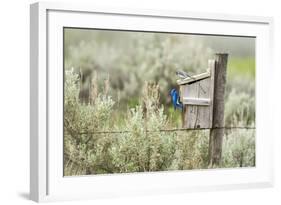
x,y
217,131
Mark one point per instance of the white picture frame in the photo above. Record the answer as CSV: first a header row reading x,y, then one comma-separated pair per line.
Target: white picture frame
x,y
46,179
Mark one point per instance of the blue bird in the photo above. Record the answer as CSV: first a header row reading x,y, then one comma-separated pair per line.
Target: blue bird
x,y
176,99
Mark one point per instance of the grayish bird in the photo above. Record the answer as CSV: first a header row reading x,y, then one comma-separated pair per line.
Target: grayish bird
x,y
183,75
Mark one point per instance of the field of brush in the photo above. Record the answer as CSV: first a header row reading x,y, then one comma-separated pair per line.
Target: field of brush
x,y
131,75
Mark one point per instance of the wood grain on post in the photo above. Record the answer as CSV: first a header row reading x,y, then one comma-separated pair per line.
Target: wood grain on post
x,y
216,133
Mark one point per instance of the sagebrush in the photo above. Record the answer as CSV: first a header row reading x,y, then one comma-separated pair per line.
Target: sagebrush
x,y
139,144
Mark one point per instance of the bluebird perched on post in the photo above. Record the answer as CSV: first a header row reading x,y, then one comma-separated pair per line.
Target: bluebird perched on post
x,y
176,99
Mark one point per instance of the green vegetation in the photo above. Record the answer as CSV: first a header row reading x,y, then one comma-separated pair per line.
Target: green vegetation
x,y
142,146
119,128
242,66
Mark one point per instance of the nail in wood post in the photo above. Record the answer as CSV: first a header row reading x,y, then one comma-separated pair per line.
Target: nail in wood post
x,y
216,135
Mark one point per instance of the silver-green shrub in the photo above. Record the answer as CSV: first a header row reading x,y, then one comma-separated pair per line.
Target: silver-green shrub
x,y
191,150
84,152
239,149
143,141
144,147
239,144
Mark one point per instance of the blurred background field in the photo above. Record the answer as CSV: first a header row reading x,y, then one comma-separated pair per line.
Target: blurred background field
x,y
132,74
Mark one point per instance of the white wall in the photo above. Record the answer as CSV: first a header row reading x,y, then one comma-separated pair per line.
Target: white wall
x,y
14,101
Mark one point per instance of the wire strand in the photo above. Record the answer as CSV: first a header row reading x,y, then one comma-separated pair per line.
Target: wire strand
x,y
166,130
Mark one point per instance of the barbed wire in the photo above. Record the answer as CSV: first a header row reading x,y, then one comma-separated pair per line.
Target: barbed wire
x,y
166,130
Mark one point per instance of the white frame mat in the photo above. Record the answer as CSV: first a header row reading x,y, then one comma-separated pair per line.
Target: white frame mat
x,y
46,102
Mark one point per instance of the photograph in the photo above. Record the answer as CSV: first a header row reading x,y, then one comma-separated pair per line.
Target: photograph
x,y
148,101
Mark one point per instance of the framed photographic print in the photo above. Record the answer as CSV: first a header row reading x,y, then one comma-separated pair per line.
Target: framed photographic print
x,y
127,102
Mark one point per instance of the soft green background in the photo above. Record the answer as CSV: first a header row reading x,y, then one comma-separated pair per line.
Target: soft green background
x,y
133,73
131,58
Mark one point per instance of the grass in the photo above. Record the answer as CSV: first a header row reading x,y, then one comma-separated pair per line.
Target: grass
x,y
244,67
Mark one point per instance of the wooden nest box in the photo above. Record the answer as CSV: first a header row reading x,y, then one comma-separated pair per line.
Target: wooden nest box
x,y
197,96
203,103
